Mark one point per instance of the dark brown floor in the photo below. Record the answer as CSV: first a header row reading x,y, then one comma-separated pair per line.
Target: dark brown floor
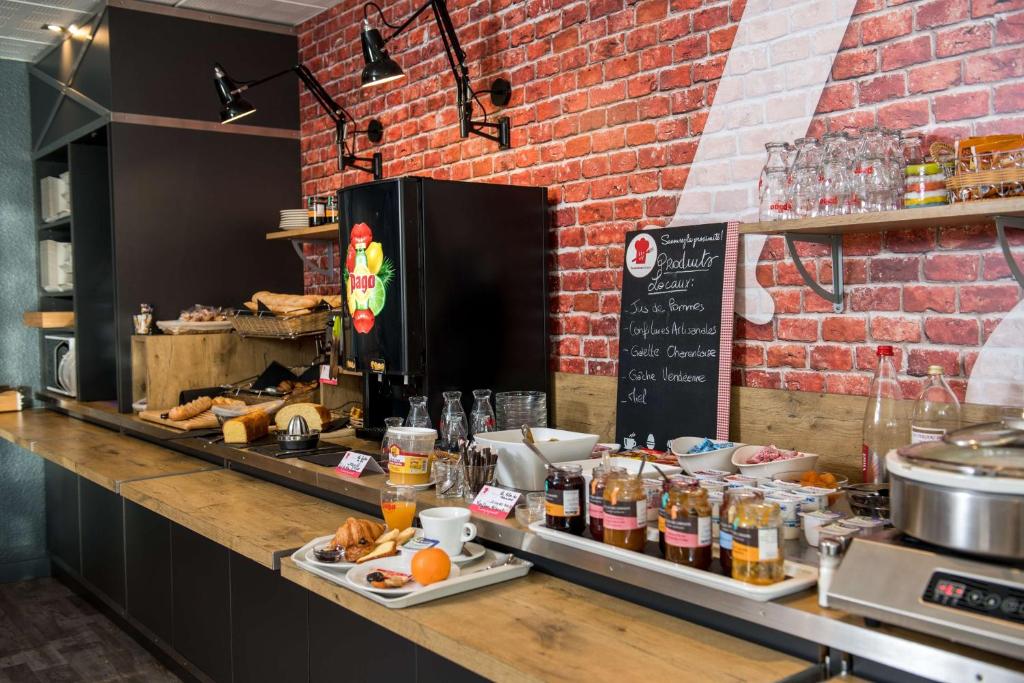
x,y
47,633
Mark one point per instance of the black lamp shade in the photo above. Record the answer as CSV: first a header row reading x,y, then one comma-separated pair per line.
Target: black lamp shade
x,y
380,68
233,106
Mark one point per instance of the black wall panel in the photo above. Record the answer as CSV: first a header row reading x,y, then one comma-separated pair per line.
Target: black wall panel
x,y
163,66
344,646
62,529
148,569
268,624
102,539
191,210
202,616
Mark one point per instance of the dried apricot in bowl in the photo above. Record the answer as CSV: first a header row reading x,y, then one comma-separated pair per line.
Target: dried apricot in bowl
x,y
430,565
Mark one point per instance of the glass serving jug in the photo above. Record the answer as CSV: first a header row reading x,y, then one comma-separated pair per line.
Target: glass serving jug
x,y
482,416
418,415
454,427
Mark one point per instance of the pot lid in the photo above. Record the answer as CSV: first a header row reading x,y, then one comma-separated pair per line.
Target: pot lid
x,y
1005,433
979,461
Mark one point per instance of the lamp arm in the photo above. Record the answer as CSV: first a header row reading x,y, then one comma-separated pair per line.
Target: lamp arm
x,y
334,110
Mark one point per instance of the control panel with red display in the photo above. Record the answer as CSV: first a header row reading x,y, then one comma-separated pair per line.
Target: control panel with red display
x,y
979,596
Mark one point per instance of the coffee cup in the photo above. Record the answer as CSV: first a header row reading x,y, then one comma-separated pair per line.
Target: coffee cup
x,y
449,526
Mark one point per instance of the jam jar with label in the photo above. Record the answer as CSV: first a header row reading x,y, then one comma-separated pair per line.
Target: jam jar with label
x,y
666,485
565,494
731,498
757,544
595,508
625,512
688,526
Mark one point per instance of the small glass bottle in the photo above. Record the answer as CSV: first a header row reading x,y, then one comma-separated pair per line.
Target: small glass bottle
x,y
731,498
688,526
625,512
482,416
666,485
758,553
454,427
565,493
418,415
885,424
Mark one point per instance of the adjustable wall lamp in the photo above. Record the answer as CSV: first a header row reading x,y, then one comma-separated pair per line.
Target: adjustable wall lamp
x,y
380,68
234,107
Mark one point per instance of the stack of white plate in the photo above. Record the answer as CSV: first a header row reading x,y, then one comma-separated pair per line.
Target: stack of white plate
x,y
294,219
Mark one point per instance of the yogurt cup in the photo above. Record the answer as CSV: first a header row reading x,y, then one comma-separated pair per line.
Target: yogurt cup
x,y
789,508
865,523
814,498
737,481
712,485
813,521
786,485
842,533
711,474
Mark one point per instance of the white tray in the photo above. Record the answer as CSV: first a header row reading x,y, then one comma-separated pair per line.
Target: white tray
x,y
798,576
473,576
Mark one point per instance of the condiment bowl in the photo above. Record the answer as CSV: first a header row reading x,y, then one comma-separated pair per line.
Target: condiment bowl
x,y
804,461
719,459
519,468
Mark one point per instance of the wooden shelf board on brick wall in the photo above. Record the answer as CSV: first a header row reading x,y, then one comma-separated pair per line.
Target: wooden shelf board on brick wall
x,y
966,213
49,320
320,232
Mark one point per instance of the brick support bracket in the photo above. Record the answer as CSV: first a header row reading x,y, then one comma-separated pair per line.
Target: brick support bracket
x,y
835,243
1014,223
297,246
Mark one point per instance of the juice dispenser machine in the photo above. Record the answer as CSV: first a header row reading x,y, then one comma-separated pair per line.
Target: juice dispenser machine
x,y
445,288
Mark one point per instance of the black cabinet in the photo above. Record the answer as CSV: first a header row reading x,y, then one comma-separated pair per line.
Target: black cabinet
x,y
62,530
102,540
268,624
148,570
201,609
344,646
433,668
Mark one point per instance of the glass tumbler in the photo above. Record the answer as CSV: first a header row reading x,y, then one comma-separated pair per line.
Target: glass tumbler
x,y
398,506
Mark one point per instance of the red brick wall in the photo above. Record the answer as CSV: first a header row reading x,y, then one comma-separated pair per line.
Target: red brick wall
x,y
609,101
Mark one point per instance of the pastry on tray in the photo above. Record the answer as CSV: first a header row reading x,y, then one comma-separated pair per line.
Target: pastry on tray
x,y
357,537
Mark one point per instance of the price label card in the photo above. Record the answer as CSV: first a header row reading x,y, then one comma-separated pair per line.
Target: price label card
x,y
495,502
356,464
325,376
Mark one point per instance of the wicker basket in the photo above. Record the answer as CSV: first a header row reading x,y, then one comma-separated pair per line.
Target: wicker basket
x,y
990,175
265,324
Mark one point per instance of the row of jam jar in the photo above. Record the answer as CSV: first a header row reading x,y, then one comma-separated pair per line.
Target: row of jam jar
x,y
688,511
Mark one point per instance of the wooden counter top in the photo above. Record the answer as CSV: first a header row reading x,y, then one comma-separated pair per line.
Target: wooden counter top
x,y
255,518
540,628
102,456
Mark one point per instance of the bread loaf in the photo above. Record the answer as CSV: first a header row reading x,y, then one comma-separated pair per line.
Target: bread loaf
x,y
190,409
283,303
246,428
315,414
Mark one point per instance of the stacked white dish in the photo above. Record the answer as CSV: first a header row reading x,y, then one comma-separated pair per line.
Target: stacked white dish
x,y
294,219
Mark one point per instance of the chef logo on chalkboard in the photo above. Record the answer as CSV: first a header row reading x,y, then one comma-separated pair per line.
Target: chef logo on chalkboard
x,y
641,254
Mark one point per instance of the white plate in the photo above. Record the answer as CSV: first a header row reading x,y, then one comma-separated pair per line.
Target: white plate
x,y
418,487
471,552
357,575
311,556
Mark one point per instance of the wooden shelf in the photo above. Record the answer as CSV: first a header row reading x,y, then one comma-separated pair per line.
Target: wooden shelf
x,y
320,232
981,211
49,320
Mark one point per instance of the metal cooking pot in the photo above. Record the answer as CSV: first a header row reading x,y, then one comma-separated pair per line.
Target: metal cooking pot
x,y
965,493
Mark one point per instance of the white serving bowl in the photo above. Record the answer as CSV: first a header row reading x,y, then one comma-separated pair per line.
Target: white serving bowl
x,y
720,459
518,466
803,462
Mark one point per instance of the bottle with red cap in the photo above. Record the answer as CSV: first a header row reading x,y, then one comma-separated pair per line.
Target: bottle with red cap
x,y
884,425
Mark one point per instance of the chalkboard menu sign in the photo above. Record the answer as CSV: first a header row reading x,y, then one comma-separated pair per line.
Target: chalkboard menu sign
x,y
675,334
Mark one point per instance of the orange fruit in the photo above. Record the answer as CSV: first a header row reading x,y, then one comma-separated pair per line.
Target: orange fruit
x,y
430,566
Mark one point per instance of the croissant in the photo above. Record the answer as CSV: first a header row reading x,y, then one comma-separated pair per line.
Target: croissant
x,y
355,533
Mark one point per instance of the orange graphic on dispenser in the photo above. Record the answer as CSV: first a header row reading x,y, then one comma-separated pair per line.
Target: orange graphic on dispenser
x,y
367,276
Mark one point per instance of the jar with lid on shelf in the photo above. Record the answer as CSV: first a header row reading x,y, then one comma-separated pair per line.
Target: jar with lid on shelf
x,y
731,498
565,495
758,553
595,507
625,512
688,526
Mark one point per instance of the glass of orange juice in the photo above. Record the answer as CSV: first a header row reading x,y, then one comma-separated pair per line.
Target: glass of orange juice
x,y
398,503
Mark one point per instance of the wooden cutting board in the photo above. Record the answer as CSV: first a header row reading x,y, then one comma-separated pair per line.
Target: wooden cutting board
x,y
205,420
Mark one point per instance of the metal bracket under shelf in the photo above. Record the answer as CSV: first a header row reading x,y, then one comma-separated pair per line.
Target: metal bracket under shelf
x,y
1013,223
297,246
835,243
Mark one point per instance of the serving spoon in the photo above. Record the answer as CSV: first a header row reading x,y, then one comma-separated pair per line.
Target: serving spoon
x,y
528,440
